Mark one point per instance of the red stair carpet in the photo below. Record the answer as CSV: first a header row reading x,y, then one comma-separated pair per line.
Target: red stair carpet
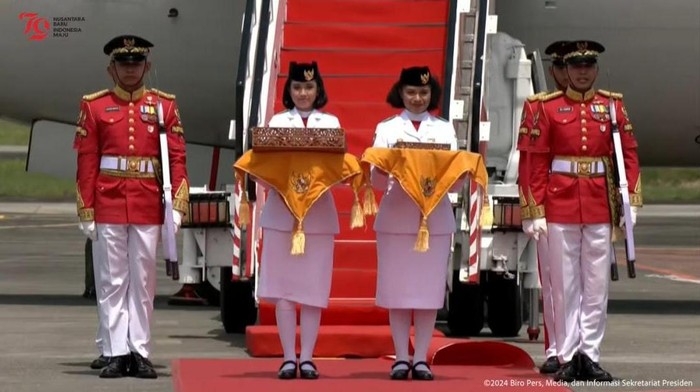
x,y
360,47
351,375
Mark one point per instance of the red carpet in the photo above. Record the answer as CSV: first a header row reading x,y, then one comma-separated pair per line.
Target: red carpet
x,y
367,375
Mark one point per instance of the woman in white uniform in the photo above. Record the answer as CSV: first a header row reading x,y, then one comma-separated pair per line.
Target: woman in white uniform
x,y
285,279
409,281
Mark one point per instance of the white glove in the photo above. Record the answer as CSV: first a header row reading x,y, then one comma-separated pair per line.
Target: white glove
x,y
177,220
539,227
528,227
88,228
633,214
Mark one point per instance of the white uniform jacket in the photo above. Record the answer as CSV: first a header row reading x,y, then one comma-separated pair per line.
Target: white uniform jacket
x,y
398,213
323,216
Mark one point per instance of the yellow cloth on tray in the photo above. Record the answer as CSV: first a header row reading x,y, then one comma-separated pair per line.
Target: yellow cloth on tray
x,y
426,175
301,178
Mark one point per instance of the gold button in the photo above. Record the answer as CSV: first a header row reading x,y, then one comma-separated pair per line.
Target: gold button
x,y
584,148
131,121
583,121
131,112
111,120
131,147
584,130
583,105
131,129
583,112
131,138
584,139
132,164
131,104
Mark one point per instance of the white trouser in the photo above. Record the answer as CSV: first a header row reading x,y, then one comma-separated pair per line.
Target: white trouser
x,y
579,258
124,260
547,305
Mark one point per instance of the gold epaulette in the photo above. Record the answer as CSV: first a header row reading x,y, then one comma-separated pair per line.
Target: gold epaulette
x,y
93,96
388,118
549,96
536,97
161,93
609,94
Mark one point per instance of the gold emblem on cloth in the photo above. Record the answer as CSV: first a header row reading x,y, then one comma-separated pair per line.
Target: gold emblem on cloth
x,y
428,186
425,78
309,74
300,182
129,43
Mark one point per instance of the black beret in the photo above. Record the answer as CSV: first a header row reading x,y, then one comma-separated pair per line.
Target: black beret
x,y
303,72
415,76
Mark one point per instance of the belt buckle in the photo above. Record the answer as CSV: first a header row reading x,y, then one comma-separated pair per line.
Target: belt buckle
x,y
584,168
133,164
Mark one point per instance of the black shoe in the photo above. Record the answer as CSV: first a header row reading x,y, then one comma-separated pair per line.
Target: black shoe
x,y
551,365
399,374
287,374
568,372
116,368
141,367
90,293
591,371
99,362
425,375
308,374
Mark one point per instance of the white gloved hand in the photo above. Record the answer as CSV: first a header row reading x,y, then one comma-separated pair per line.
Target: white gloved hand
x,y
528,227
88,228
539,227
177,220
633,214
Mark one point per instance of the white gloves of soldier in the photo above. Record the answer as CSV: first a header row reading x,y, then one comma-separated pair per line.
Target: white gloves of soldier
x,y
88,228
177,220
539,227
528,227
633,214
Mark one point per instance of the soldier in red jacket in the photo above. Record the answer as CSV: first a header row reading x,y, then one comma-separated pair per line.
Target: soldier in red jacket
x,y
573,205
120,201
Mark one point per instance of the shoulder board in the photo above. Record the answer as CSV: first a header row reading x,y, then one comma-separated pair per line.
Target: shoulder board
x,y
93,96
536,97
389,118
161,93
609,94
550,96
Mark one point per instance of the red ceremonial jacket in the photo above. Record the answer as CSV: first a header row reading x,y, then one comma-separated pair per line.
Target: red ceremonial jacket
x,y
526,119
576,127
117,123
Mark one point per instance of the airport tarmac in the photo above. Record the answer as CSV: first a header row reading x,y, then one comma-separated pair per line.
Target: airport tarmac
x,y
47,329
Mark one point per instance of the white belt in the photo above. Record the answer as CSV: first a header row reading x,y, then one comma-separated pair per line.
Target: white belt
x,y
578,168
127,164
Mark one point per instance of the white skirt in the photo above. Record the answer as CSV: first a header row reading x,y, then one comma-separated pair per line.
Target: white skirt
x,y
305,278
407,279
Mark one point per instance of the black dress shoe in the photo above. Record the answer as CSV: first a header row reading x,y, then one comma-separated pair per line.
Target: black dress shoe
x,y
90,293
399,374
287,374
551,365
425,375
116,368
141,367
568,372
308,374
99,362
591,371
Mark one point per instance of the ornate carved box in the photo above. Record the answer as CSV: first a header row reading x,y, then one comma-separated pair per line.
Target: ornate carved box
x,y
422,146
299,139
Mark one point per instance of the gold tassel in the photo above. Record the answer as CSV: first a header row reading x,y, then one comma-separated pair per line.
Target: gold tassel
x,y
370,203
423,236
357,217
617,234
298,240
244,210
486,218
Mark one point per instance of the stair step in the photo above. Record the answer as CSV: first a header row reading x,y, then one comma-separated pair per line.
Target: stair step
x,y
360,255
334,341
368,11
340,311
356,62
363,37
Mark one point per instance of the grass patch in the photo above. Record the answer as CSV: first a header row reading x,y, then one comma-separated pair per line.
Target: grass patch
x,y
13,133
18,185
671,185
